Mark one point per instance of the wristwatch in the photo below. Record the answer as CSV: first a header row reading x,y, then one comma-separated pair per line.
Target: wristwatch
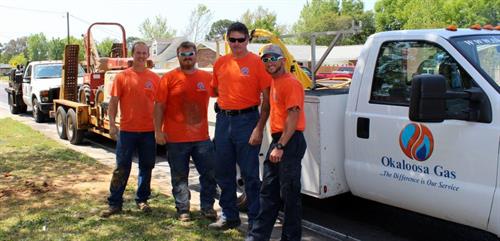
x,y
280,146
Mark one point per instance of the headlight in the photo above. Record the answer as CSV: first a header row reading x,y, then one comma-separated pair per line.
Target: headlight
x,y
44,96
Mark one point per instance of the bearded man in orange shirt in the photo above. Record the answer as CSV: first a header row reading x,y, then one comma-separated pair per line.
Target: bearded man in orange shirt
x,y
181,122
133,90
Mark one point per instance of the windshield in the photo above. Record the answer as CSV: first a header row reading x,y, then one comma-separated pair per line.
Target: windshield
x,y
484,52
47,71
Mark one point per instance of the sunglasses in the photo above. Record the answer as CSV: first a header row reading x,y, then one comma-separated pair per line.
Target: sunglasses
x,y
240,40
187,54
271,59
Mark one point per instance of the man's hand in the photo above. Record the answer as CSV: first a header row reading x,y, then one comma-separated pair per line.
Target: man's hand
x,y
256,137
276,155
113,131
160,137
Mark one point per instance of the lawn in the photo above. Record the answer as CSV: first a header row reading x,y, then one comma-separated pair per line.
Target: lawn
x,y
50,192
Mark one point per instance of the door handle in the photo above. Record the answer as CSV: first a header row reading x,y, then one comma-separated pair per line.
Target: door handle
x,y
363,128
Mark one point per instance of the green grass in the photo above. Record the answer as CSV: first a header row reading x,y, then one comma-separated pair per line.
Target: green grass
x,y
49,192
4,78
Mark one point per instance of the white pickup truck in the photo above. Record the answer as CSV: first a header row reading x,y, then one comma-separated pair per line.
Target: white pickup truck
x,y
40,85
419,127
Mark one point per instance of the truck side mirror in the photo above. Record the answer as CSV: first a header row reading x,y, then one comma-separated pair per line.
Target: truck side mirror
x,y
428,98
27,79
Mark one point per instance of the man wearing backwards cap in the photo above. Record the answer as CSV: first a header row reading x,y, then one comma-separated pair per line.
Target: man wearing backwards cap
x,y
282,167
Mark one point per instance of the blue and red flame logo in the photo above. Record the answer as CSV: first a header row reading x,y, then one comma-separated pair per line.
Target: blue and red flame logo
x,y
416,141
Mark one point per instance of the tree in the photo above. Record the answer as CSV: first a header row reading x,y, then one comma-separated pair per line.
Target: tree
x,y
218,29
198,23
320,16
37,47
14,47
419,14
354,9
157,29
104,47
18,60
262,18
56,48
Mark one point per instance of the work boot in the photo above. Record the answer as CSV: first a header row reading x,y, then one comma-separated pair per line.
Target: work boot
x,y
223,224
111,210
209,213
144,207
183,216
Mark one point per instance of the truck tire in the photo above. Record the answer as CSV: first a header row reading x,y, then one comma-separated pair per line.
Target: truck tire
x,y
37,113
61,122
13,109
74,135
84,94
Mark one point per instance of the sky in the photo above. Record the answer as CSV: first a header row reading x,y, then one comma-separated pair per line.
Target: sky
x,y
24,17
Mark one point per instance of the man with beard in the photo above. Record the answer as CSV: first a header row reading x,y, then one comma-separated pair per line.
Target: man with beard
x,y
282,167
181,122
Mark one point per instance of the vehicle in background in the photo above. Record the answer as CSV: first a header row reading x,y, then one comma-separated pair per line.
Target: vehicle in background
x,y
342,72
36,88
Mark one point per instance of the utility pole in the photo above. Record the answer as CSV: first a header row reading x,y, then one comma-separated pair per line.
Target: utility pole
x,y
67,23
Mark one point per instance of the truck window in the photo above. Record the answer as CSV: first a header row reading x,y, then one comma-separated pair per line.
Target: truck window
x,y
399,61
45,71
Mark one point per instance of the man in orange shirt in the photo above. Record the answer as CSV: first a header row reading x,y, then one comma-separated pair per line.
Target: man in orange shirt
x,y
282,167
134,90
181,122
239,81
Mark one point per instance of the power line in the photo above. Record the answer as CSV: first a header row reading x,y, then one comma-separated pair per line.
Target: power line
x,y
102,29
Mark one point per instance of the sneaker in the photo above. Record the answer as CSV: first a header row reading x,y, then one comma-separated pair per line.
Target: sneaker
x,y
209,214
144,207
183,216
111,210
222,224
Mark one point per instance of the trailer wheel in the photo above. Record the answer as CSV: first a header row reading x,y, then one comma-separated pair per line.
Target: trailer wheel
x,y
37,113
75,136
61,122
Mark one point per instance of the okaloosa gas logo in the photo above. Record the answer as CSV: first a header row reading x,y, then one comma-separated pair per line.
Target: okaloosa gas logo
x,y
416,141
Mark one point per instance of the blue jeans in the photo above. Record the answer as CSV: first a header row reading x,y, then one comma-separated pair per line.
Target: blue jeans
x,y
232,134
203,155
128,143
281,187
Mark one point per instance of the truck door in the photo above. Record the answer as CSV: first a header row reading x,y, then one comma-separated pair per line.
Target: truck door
x,y
27,85
448,169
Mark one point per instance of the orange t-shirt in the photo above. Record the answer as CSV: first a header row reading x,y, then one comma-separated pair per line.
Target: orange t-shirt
x,y
240,81
286,92
136,91
186,103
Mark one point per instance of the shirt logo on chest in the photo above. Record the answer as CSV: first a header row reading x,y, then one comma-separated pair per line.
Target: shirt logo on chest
x,y
148,85
200,86
245,71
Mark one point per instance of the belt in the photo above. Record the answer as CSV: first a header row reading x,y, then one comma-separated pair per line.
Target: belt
x,y
238,112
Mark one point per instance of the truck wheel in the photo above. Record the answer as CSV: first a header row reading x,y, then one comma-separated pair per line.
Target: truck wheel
x,y
61,122
37,113
75,136
241,200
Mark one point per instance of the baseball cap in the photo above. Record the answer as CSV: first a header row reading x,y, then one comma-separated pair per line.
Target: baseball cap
x,y
271,49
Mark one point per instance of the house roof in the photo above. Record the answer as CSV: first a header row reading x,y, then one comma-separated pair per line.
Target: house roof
x,y
302,53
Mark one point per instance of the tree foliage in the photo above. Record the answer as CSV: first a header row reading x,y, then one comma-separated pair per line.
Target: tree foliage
x,y
56,48
156,29
18,59
332,15
12,48
198,23
218,29
37,47
262,18
104,47
421,14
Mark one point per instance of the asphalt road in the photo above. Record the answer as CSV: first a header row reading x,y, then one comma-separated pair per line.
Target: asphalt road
x,y
353,217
